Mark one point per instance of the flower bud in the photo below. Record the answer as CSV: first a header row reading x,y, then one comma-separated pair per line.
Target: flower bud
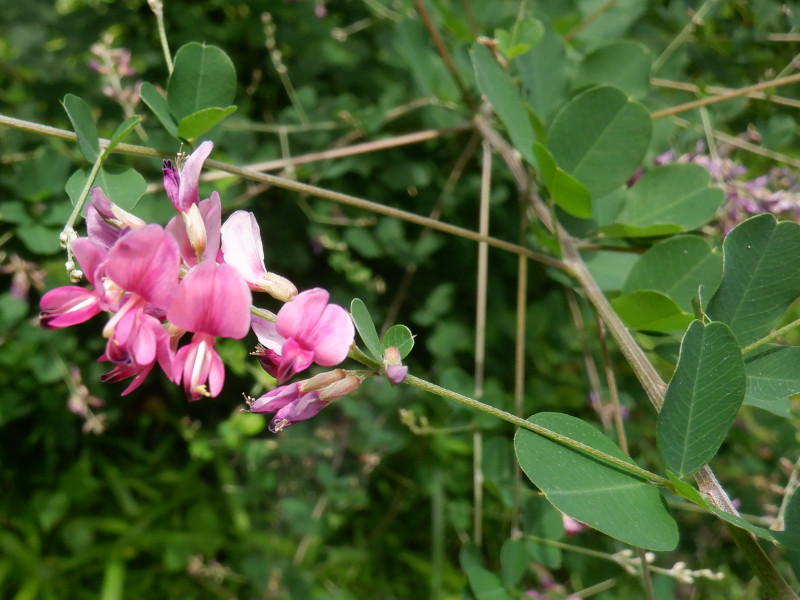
x,y
277,286
317,382
195,230
395,371
339,389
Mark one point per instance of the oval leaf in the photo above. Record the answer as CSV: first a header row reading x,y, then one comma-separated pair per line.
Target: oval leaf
x,y
82,121
648,310
616,503
486,585
761,276
702,399
400,337
203,77
600,137
677,194
123,185
677,267
496,85
773,373
366,328
158,104
196,124
623,64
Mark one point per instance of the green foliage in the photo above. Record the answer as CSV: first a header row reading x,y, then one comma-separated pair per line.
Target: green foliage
x,y
177,500
622,506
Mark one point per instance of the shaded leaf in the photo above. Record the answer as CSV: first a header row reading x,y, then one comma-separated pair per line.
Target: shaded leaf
x,y
123,185
677,267
673,195
366,328
605,498
773,373
600,137
83,123
486,585
761,276
566,191
623,64
702,399
496,85
158,104
543,72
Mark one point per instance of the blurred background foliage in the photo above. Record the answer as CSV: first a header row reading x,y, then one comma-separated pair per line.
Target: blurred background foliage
x,y
149,496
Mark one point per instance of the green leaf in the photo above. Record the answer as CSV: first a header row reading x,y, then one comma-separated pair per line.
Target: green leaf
x,y
486,585
513,561
600,137
791,520
158,104
761,276
400,337
609,268
122,132
521,39
80,115
672,195
648,310
496,85
543,72
123,185
789,538
702,399
366,328
773,373
196,124
622,64
39,239
113,580
618,504
677,267
566,191
202,77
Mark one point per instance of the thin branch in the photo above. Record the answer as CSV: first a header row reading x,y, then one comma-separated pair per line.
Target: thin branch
x,y
712,89
443,52
729,96
570,35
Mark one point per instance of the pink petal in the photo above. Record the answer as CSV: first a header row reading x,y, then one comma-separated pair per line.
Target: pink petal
x,y
211,211
241,245
90,255
212,299
332,337
276,399
67,305
297,318
145,261
267,333
190,176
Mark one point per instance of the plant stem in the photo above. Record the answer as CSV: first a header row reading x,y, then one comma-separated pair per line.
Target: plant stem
x,y
623,465
157,6
769,337
775,587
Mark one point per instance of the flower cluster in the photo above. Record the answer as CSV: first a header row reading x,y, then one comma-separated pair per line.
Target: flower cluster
x,y
777,192
113,65
196,276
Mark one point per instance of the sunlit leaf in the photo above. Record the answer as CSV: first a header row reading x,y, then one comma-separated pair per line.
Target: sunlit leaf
x,y
648,310
366,328
83,122
203,77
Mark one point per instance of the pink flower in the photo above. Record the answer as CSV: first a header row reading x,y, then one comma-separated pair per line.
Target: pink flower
x,y
70,304
289,404
572,526
198,231
105,221
181,187
395,371
242,249
144,266
212,300
314,330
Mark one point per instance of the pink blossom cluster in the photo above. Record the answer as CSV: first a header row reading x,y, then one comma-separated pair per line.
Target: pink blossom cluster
x,y
196,276
777,192
114,64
